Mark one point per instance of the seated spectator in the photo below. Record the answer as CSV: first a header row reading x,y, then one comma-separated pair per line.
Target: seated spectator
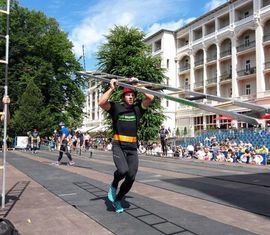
x,y
190,149
229,158
200,154
245,158
177,152
220,157
262,150
109,147
207,154
142,148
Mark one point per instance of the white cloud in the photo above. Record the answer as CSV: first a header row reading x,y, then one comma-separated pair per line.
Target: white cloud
x,y
169,25
213,4
147,15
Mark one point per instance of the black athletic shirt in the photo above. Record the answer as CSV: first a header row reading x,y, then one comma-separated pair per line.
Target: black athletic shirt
x,y
124,118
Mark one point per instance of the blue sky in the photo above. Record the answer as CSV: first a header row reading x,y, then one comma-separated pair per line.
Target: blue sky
x,y
87,21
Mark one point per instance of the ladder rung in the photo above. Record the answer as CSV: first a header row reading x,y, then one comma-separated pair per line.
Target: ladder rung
x,y
3,62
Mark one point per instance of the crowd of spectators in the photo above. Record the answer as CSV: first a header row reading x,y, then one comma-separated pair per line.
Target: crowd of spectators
x,y
223,151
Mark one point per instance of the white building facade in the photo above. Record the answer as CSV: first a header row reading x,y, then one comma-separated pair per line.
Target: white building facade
x,y
163,45
226,53
93,117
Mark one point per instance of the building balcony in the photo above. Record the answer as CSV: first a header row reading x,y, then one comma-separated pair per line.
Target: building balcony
x,y
211,81
198,62
267,65
246,72
246,45
225,53
184,67
211,58
198,84
185,87
265,3
225,76
266,38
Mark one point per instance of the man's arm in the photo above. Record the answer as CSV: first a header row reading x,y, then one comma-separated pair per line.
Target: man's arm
x,y
147,100
104,99
6,100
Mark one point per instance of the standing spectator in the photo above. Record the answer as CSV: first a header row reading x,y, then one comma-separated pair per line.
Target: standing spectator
x,y
125,120
163,134
35,140
29,139
87,141
63,142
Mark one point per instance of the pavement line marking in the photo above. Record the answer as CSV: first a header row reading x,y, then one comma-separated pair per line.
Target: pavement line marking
x,y
147,181
67,194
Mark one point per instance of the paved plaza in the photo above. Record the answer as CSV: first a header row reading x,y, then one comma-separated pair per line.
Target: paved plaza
x,y
170,196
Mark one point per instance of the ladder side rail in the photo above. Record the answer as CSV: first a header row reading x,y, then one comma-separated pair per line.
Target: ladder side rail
x,y
205,107
124,79
262,110
233,101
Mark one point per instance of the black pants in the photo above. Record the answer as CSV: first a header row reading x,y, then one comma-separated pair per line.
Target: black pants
x,y
64,149
164,146
34,146
126,161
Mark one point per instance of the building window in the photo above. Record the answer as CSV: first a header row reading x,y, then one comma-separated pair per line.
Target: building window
x,y
248,89
157,45
247,65
168,63
186,84
167,103
198,123
247,41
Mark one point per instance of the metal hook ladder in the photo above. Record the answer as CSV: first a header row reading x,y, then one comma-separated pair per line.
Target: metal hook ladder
x,y
5,12
153,88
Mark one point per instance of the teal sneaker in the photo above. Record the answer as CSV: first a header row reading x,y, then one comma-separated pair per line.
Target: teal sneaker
x,y
112,193
118,207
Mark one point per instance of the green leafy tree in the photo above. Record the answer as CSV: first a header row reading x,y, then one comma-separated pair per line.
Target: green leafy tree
x,y
126,54
41,51
177,132
185,131
30,113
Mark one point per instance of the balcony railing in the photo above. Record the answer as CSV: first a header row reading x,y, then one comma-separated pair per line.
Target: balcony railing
x,y
184,67
198,84
265,3
266,37
185,87
246,72
211,81
198,62
246,45
225,76
241,17
267,65
211,58
225,53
